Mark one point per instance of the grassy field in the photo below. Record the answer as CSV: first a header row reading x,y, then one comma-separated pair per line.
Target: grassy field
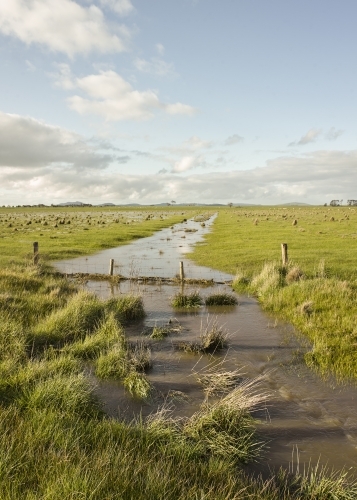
x,y
317,292
56,443
70,232
246,238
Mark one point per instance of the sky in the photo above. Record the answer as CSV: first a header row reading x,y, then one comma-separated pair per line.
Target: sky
x,y
192,101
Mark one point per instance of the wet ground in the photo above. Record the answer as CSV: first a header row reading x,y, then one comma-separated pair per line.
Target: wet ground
x,y
304,413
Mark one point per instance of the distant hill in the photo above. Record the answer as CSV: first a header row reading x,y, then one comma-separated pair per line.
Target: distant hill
x,y
73,204
294,203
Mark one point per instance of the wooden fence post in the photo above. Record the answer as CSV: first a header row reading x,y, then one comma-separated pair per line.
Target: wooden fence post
x,y
182,273
35,252
111,267
284,253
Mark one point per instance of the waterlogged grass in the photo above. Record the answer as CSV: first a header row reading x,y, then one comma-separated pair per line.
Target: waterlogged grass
x,y
127,307
221,299
71,232
55,442
322,308
317,292
186,301
212,338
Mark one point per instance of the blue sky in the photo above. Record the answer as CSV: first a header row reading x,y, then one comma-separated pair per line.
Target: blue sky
x,y
148,101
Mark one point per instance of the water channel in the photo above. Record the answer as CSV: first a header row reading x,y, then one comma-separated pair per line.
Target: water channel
x,y
304,415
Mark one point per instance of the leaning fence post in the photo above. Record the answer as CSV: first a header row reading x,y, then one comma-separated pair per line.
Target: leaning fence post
x,y
111,267
182,273
35,252
284,253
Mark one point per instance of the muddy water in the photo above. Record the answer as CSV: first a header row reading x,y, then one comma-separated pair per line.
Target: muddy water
x,y
304,413
157,256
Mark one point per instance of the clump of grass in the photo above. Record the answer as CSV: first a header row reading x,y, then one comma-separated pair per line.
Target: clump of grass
x,y
139,356
217,381
306,308
269,279
137,384
221,299
294,274
127,307
213,337
240,281
226,428
112,364
108,332
70,393
186,301
160,332
80,316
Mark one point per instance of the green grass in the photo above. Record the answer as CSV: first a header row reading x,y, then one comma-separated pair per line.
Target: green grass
x,y
55,441
221,299
71,232
127,307
160,332
237,243
317,292
186,301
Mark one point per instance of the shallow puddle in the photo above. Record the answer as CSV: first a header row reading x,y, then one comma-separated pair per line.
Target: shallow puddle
x,y
303,413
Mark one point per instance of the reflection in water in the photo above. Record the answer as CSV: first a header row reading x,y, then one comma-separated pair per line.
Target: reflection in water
x,y
317,418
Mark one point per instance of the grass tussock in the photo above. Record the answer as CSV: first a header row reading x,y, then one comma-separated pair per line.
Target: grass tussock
x,y
216,380
106,334
186,301
81,315
127,307
137,384
212,338
221,299
160,332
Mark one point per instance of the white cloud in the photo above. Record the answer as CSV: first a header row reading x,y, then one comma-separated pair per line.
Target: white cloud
x,y
155,66
187,163
114,99
44,163
315,178
309,137
233,139
180,109
61,26
29,144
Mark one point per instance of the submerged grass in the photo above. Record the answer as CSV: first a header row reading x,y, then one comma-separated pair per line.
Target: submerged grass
x,y
212,338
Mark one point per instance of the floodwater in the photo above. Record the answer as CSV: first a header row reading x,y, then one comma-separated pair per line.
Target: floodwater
x,y
304,416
